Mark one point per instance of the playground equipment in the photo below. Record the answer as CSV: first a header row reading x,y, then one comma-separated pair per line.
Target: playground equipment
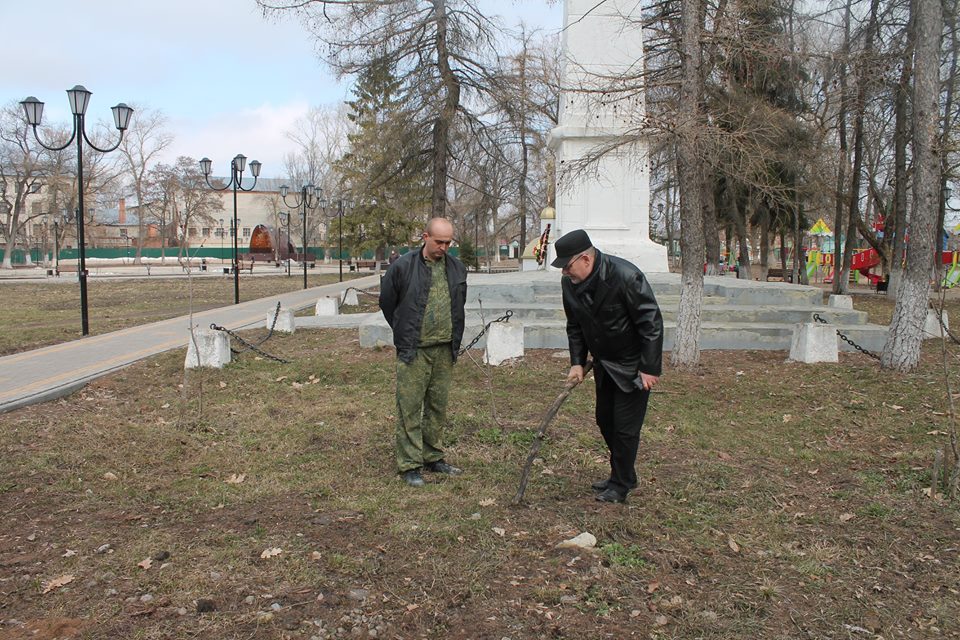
x,y
953,275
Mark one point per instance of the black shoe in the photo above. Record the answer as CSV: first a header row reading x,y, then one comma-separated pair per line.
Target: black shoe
x,y
611,495
413,478
600,485
442,467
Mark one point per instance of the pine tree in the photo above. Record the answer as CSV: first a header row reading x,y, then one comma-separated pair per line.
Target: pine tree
x,y
384,168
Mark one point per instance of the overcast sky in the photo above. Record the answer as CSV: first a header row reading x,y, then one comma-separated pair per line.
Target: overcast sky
x,y
228,80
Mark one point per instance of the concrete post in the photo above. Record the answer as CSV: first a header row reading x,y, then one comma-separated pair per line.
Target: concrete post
x,y
814,342
212,349
504,342
349,296
285,322
931,325
328,306
840,302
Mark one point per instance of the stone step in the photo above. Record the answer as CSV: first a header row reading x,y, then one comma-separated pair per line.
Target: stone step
x,y
527,286
759,336
711,312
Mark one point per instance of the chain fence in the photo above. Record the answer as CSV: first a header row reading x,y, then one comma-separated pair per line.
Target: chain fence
x,y
253,346
816,316
504,318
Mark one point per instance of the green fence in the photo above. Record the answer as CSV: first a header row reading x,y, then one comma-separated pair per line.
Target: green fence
x,y
217,253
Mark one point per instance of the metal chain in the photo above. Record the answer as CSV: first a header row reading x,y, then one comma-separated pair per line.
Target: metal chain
x,y
366,293
816,316
504,318
250,346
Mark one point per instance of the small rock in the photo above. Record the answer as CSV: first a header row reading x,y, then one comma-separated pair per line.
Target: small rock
x,y
109,475
146,598
276,606
358,595
32,537
181,611
205,605
160,556
585,540
215,575
249,600
103,548
110,592
264,616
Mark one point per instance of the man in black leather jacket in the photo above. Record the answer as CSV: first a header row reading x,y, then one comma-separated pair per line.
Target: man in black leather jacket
x,y
612,313
422,296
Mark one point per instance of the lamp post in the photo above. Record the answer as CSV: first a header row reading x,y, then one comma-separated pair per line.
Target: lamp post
x,y
285,219
310,198
79,97
237,166
341,204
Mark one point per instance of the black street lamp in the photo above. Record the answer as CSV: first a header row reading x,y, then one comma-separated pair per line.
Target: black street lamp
x,y
310,198
237,165
285,219
79,98
341,204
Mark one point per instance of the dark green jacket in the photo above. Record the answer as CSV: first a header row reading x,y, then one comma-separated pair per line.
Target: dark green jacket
x,y
403,297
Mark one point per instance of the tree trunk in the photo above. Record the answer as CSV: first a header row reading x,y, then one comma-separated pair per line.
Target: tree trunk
x,y
838,285
711,231
686,348
895,224
443,123
902,349
865,68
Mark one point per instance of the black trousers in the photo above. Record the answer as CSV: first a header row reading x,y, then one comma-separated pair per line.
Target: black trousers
x,y
620,418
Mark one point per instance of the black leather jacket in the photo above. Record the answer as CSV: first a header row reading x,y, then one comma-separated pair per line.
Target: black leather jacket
x,y
403,297
622,327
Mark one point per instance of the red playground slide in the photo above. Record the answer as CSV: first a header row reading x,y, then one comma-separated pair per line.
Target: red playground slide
x,y
863,261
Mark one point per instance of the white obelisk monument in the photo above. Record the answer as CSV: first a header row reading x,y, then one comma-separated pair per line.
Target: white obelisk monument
x,y
610,199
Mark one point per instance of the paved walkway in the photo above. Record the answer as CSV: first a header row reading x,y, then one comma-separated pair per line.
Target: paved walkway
x,y
47,373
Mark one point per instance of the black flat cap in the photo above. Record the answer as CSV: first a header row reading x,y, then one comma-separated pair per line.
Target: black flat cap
x,y
569,245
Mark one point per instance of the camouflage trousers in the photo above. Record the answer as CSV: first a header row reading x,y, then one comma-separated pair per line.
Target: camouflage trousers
x,y
422,390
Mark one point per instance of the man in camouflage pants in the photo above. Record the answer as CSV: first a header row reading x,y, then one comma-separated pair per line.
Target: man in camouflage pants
x,y
422,296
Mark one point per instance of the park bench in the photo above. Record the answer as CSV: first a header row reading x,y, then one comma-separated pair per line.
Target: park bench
x,y
366,264
778,272
242,263
68,268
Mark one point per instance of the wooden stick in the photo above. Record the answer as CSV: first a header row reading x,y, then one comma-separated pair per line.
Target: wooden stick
x,y
541,431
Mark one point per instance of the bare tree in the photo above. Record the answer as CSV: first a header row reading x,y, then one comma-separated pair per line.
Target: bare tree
x,y
23,164
145,140
902,349
686,348
437,46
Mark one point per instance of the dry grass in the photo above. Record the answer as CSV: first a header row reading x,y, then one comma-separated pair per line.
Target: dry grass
x,y
37,314
777,500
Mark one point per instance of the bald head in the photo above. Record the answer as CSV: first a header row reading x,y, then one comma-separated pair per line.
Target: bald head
x,y
437,238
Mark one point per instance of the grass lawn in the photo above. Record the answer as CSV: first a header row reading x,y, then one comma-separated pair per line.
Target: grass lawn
x,y
776,500
37,314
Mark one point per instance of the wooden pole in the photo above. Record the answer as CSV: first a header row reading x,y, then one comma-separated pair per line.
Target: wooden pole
x,y
541,431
